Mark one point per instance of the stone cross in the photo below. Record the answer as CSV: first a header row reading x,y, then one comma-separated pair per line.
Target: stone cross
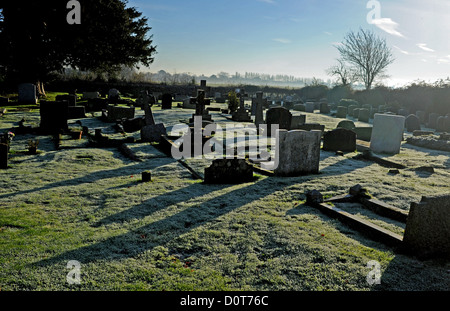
x,y
200,105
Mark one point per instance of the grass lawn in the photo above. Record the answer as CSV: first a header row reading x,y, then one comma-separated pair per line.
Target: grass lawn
x,y
176,233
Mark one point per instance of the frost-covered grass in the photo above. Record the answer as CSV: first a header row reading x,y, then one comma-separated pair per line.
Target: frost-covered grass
x,y
176,233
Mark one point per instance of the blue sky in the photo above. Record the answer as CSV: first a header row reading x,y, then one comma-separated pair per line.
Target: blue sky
x,y
295,37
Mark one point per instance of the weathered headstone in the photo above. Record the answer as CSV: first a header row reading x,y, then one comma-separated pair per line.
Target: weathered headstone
x,y
387,133
440,124
324,108
339,140
363,133
299,107
280,116
346,124
309,107
27,93
297,121
120,112
427,231
152,133
76,112
241,115
298,152
54,116
350,109
432,120
355,113
341,112
311,127
412,123
229,171
90,95
166,101
421,115
288,105
403,112
364,115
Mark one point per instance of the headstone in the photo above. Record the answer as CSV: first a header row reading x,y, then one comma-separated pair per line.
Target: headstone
x,y
190,103
403,112
166,102
96,104
133,125
90,95
152,133
387,133
200,107
339,140
27,93
412,123
259,114
280,116
421,115
363,133
447,125
72,99
311,127
228,171
364,115
346,124
4,156
113,95
288,105
298,153
120,112
341,112
440,124
324,108
241,115
76,112
54,116
350,109
427,231
355,113
297,122
432,120
299,107
309,107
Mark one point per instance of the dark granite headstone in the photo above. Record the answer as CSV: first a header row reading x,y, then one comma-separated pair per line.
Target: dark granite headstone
x,y
339,140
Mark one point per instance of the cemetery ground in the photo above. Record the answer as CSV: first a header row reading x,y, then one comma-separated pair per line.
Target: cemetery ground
x,y
177,233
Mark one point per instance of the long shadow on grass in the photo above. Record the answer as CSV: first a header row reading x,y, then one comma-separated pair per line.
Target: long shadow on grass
x,y
94,176
170,228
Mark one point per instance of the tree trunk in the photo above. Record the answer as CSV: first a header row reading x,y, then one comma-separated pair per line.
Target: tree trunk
x,y
40,89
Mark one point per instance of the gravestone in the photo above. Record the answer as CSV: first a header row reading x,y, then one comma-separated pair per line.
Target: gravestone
x,y
363,133
412,123
403,112
4,156
200,107
339,140
113,95
151,132
166,102
190,103
259,114
421,115
54,116
346,124
280,116
120,112
341,112
288,105
297,121
298,153
133,125
387,133
27,93
364,115
427,231
355,113
241,115
432,120
309,107
311,127
229,171
440,124
299,107
324,108
447,125
96,104
350,109
76,112
72,99
90,95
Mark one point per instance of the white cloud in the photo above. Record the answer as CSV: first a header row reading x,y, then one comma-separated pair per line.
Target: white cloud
x,y
328,33
268,1
282,40
424,47
387,25
402,51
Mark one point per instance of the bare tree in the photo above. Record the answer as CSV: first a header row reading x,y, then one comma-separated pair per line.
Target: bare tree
x,y
367,55
344,74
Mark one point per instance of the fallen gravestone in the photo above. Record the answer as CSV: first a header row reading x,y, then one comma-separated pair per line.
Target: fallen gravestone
x,y
228,171
298,153
339,140
387,133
